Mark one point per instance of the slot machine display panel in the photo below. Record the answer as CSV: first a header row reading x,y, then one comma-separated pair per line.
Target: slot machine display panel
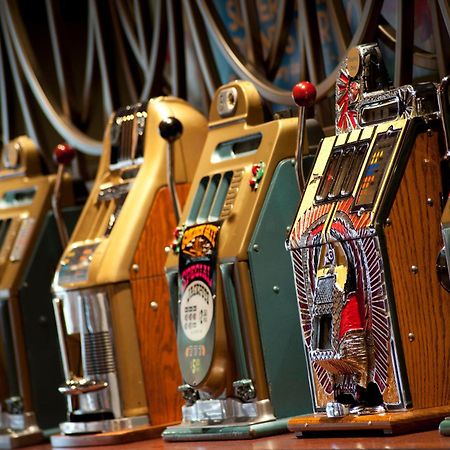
x,y
364,256
110,331
230,281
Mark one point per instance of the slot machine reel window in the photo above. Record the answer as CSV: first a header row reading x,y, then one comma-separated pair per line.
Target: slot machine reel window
x,y
16,198
210,198
127,137
375,171
237,147
341,172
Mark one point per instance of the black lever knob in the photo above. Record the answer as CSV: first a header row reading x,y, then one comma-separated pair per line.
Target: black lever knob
x,y
170,129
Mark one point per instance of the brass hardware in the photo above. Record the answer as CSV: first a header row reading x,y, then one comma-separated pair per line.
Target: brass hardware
x,y
154,305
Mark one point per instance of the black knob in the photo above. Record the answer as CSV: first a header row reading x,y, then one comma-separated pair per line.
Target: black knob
x,y
170,129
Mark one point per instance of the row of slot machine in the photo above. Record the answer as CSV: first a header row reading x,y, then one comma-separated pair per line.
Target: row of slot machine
x,y
209,292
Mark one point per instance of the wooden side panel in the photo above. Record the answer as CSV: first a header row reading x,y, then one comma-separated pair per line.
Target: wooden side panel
x,y
158,350
156,330
157,234
423,306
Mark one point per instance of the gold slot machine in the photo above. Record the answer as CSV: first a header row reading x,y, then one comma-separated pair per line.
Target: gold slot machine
x,y
29,250
231,284
117,341
365,245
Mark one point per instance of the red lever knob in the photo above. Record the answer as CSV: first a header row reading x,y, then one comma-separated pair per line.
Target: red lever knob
x,y
304,94
64,154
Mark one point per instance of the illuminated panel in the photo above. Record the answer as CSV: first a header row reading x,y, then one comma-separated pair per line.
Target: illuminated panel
x,y
74,268
127,134
375,171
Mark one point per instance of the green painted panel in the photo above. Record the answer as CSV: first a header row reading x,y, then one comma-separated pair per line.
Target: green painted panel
x,y
275,299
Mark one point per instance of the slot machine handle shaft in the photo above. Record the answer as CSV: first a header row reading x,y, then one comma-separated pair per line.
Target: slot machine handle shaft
x,y
61,330
64,155
170,130
444,109
304,95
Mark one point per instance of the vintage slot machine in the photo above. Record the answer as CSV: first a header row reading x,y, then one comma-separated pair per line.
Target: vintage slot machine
x,y
365,245
117,341
231,285
28,404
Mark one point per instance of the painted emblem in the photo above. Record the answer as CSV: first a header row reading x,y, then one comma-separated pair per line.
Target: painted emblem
x,y
257,172
197,287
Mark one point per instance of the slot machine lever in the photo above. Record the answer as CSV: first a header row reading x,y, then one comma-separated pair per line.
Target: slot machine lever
x,y
444,109
304,95
64,155
170,130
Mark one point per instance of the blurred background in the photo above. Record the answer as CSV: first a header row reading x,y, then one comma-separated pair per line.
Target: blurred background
x,y
65,65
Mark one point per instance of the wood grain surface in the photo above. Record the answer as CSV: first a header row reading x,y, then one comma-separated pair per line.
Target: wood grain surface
x,y
156,330
105,439
150,255
422,305
157,341
426,440
388,423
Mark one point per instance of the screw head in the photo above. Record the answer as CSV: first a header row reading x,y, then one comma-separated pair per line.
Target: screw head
x,y
154,305
135,267
429,201
414,269
43,320
255,247
411,337
276,289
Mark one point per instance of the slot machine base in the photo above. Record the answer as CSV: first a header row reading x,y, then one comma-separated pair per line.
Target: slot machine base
x,y
108,438
225,432
387,423
20,439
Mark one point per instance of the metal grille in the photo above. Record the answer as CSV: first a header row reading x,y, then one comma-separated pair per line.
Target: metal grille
x,y
99,353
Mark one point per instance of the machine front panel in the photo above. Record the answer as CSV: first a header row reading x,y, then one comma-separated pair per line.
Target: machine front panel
x,y
340,275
